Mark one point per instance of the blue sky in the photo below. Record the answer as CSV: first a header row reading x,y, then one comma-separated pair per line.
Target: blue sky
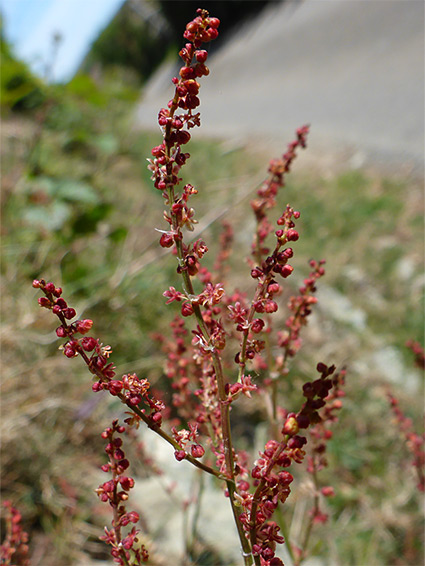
x,y
30,25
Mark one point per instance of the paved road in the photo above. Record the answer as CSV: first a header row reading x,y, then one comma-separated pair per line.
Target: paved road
x,y
352,69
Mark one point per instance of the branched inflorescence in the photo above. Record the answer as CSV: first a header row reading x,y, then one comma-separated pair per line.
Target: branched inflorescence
x,y
221,345
115,492
415,442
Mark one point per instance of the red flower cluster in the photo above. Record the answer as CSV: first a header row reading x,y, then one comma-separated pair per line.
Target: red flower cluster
x,y
267,193
198,360
415,442
169,157
14,549
270,478
115,492
300,306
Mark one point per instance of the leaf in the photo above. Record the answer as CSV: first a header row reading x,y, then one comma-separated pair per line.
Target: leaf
x,y
75,191
51,217
106,144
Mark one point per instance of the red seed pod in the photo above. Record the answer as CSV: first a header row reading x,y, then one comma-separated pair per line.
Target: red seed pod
x,y
322,368
235,388
297,442
214,22
177,123
292,235
270,306
166,241
88,344
256,273
183,137
286,270
303,421
36,284
126,482
157,418
69,313
69,351
257,325
61,303
181,90
192,86
60,332
192,102
50,287
192,27
158,150
201,70
273,288
197,450
189,35
211,34
44,302
201,55
187,73
186,309
84,326
259,307
123,464
179,455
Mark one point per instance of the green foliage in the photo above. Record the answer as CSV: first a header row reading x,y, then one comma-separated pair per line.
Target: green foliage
x,y
20,90
127,42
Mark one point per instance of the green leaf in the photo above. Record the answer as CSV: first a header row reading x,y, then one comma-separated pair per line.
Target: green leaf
x,y
51,217
75,191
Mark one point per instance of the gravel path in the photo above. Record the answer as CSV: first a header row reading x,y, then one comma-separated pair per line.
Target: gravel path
x,y
352,69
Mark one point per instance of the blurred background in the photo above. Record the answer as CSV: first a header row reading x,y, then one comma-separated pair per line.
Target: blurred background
x,y
81,86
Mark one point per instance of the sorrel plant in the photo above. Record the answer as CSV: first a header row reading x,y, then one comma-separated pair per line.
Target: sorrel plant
x,y
224,344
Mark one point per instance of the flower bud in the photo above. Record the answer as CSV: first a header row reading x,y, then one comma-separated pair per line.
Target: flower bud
x,y
257,325
197,450
290,427
183,137
256,273
44,302
88,343
187,73
179,455
84,326
157,418
201,55
286,270
166,241
214,22
186,309
292,235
